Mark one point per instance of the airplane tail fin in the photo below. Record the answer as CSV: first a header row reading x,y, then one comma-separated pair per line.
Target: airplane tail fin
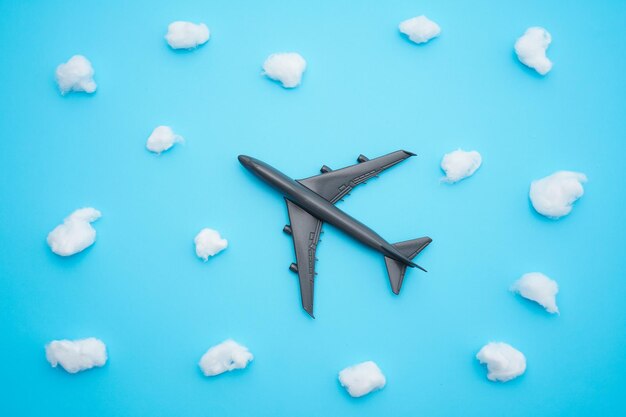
x,y
396,269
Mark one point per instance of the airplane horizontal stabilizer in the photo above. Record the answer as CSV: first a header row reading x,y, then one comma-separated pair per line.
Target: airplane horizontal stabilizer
x,y
397,269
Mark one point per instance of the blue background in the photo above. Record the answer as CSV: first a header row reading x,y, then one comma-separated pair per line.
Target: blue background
x,y
367,90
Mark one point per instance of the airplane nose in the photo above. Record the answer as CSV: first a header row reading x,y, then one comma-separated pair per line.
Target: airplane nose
x,y
244,160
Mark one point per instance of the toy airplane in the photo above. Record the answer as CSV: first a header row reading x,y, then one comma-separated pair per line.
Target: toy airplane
x,y
311,201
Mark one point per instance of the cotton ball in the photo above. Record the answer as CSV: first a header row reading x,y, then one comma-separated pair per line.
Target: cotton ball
x,y
531,49
420,29
76,75
361,379
209,243
76,355
186,35
503,361
553,196
161,139
76,232
285,67
539,288
460,164
226,356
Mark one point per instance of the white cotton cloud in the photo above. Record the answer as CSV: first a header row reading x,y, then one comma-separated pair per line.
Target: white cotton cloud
x,y
539,288
209,243
226,356
186,35
531,49
285,67
161,139
76,232
76,355
76,75
553,196
503,361
420,29
361,379
460,164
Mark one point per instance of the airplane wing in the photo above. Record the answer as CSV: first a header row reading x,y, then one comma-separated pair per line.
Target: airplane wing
x,y
305,230
333,185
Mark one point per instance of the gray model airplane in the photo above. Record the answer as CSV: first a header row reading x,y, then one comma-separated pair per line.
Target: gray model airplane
x,y
310,202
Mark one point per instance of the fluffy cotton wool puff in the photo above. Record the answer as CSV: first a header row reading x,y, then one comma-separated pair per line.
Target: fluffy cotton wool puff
x,y
503,361
209,243
162,138
531,49
76,75
285,67
186,35
361,379
224,357
554,195
76,355
76,232
539,288
420,29
460,164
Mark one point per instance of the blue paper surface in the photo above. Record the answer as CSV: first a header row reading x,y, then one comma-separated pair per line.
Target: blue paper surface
x,y
367,89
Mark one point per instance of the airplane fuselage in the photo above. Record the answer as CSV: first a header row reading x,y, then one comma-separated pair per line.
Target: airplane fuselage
x,y
321,208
